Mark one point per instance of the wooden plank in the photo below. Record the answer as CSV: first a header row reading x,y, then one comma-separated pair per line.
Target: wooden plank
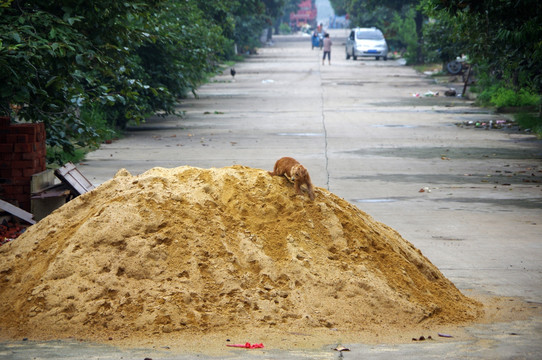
x,y
42,180
72,177
59,190
18,212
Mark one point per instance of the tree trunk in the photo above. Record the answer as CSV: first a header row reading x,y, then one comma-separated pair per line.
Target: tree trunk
x,y
277,25
419,34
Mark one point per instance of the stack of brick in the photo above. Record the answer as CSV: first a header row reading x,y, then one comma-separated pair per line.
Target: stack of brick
x,y
22,154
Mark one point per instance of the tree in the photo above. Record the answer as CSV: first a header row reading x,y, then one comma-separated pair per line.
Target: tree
x,y
72,63
66,63
504,35
220,13
42,56
339,6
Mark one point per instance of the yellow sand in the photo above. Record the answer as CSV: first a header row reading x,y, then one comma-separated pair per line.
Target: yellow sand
x,y
191,250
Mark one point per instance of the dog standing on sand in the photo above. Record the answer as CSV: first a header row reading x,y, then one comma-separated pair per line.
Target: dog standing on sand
x,y
294,171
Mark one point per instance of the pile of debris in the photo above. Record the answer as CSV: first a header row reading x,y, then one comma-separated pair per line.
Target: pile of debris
x,y
491,124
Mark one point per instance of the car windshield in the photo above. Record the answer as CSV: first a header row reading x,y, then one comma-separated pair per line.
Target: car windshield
x,y
369,35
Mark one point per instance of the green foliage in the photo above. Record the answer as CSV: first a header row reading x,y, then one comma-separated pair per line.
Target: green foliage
x,y
69,63
530,121
500,95
504,36
340,7
250,20
285,29
442,42
56,155
509,97
362,15
401,33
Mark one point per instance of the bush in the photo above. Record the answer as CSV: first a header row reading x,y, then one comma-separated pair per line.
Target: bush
x,y
530,121
284,29
500,95
510,98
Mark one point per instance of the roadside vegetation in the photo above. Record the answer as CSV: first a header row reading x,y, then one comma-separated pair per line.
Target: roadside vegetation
x,y
502,38
88,69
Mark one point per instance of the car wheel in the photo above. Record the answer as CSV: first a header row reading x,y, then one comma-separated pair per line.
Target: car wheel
x,y
385,58
377,58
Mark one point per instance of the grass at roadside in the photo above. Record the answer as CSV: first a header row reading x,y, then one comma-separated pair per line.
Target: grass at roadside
x,y
530,121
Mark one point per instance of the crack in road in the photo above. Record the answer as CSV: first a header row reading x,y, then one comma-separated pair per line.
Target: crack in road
x,y
323,116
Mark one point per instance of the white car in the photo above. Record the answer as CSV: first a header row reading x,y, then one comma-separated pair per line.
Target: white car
x,y
366,42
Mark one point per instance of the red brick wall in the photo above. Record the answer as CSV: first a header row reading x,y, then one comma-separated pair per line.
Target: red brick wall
x,y
22,154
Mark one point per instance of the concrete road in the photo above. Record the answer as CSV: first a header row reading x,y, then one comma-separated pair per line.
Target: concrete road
x,y
357,128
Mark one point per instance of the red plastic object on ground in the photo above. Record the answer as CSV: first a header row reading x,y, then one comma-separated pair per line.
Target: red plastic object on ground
x,y
247,346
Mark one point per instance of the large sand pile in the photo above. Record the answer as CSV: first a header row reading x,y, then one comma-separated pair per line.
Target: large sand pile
x,y
202,250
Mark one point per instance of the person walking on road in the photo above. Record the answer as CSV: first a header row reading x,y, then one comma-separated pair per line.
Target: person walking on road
x,y
327,49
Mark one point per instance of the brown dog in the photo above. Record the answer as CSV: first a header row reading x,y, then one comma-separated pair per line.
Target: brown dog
x,y
295,172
